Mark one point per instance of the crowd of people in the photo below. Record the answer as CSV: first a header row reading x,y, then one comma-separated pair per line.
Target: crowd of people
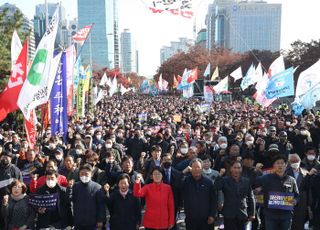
x,y
139,161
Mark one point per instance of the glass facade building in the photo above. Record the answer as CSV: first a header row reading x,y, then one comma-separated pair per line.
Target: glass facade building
x,y
243,26
126,51
94,11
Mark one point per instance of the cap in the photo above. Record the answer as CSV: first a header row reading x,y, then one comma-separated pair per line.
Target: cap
x,y
283,134
7,153
58,149
272,128
273,147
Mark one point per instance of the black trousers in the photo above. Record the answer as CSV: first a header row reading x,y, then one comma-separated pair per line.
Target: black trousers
x,y
234,224
192,224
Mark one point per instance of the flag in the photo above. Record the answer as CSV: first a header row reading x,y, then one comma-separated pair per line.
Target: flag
x,y
100,96
184,80
207,71
222,86
188,91
308,79
215,74
82,34
297,108
308,100
179,78
123,90
160,82
81,94
16,48
103,80
248,78
114,86
260,95
236,74
88,78
281,84
165,85
208,93
175,82
36,89
258,73
70,60
31,130
276,66
9,96
193,75
58,101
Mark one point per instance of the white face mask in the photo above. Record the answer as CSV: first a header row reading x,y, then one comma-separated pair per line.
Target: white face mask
x,y
59,157
304,133
184,150
98,137
311,157
223,146
295,165
108,146
51,183
85,179
249,142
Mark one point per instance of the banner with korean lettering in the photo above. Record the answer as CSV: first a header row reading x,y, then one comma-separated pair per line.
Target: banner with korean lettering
x,y
281,200
58,100
281,84
48,201
70,62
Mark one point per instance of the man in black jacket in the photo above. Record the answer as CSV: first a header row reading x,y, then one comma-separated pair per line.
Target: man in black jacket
x,y
60,217
239,203
89,208
280,193
200,199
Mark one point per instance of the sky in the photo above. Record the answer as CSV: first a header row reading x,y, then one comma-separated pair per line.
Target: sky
x,y
152,31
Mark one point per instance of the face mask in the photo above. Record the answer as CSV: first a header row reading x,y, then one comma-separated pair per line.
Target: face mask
x,y
184,150
109,161
51,146
108,146
207,171
85,179
304,133
59,157
98,137
148,133
295,165
249,142
51,183
244,130
208,142
166,165
179,132
78,151
223,146
290,129
311,157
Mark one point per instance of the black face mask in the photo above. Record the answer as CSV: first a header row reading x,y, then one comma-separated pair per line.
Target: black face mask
x,y
167,165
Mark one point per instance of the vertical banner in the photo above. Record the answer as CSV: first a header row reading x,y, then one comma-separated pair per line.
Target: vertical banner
x,y
91,97
81,94
30,126
70,59
58,101
208,93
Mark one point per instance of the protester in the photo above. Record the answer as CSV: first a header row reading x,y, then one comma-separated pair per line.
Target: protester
x,y
159,213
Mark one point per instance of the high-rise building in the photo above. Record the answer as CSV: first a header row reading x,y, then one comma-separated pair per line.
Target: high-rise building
x,y
202,38
181,46
39,22
26,27
126,51
243,25
95,50
113,33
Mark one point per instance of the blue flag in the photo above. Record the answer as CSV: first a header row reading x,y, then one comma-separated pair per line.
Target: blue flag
x,y
308,100
281,85
297,108
58,100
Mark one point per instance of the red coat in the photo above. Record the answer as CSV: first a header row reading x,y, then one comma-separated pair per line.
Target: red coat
x,y
35,184
159,204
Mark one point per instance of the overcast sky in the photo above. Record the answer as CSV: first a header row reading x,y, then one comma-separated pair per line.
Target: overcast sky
x,y
152,31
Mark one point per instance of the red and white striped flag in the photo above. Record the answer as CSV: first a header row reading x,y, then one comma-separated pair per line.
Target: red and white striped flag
x,y
81,36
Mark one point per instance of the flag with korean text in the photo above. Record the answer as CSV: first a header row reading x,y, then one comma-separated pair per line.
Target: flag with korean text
x,y
281,84
58,101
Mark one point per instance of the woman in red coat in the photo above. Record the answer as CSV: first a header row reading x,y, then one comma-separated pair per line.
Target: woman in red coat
x,y
159,212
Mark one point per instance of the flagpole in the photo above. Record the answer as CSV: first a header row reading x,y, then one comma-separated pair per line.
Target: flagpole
x,y
90,49
85,42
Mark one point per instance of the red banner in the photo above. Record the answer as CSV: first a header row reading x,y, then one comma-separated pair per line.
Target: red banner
x,y
9,96
31,129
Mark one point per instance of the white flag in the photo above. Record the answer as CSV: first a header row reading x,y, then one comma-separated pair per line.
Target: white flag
x,y
207,71
114,86
123,90
308,79
277,66
221,86
309,99
16,48
103,80
160,82
36,89
237,74
249,78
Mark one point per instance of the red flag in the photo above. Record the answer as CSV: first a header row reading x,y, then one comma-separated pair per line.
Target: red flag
x,y
31,129
175,82
9,96
179,78
82,34
193,75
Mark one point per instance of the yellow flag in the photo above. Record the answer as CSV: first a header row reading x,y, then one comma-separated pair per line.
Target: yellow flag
x,y
88,77
215,74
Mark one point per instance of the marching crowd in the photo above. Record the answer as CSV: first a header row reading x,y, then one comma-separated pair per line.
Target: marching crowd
x,y
138,161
